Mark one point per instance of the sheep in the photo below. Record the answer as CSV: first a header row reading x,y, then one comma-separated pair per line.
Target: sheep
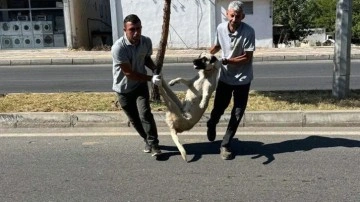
x,y
183,115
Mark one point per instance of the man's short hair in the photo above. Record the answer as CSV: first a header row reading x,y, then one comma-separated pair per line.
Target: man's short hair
x,y
235,5
132,18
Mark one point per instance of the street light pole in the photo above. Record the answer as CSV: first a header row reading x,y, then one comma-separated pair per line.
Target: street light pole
x,y
342,52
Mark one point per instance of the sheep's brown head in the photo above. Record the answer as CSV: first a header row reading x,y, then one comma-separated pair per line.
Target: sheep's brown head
x,y
205,62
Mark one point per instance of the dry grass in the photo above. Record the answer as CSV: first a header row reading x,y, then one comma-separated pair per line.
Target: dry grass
x,y
258,101
58,102
302,100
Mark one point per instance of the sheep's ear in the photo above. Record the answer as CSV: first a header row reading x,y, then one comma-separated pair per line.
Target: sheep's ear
x,y
213,59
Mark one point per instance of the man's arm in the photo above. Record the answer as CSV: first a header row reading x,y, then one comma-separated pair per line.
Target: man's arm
x,y
150,63
241,59
214,49
129,73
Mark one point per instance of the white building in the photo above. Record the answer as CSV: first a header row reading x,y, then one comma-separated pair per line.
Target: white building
x,y
89,23
192,22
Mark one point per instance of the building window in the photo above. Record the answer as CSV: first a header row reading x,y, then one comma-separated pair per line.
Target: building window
x,y
248,7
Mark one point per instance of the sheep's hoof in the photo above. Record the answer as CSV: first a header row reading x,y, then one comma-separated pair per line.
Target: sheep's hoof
x,y
179,145
172,83
183,154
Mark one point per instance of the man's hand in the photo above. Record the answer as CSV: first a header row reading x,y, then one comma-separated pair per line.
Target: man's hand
x,y
225,61
156,80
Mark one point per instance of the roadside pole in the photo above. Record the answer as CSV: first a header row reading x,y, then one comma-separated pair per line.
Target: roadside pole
x,y
68,23
116,19
342,59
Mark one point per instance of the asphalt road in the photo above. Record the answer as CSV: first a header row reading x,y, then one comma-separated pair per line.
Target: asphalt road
x,y
113,168
284,75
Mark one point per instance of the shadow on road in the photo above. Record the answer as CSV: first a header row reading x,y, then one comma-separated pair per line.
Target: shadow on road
x,y
312,142
259,149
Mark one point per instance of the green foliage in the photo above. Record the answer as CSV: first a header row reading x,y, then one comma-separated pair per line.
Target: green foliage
x,y
356,19
294,15
298,15
325,14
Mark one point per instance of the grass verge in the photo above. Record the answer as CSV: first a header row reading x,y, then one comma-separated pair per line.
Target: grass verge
x,y
258,101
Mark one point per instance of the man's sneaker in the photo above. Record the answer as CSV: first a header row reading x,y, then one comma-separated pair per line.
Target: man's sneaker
x,y
155,150
225,153
211,133
147,148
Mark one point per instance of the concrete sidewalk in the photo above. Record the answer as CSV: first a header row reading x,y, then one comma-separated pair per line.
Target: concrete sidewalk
x,y
67,57
119,119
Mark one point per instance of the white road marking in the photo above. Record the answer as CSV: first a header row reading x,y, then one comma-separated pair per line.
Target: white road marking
x,y
195,133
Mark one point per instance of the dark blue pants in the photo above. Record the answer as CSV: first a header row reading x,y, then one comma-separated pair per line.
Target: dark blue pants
x,y
136,106
224,92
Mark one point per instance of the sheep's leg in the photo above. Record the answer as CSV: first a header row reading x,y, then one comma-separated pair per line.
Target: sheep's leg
x,y
171,100
205,98
207,90
180,147
170,95
180,80
204,101
188,83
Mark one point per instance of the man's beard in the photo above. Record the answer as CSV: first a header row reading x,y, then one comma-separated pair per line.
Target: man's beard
x,y
135,41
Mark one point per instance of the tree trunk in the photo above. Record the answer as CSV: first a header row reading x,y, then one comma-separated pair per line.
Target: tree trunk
x,y
159,61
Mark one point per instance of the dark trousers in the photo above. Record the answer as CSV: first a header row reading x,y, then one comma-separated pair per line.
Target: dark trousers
x,y
223,95
136,106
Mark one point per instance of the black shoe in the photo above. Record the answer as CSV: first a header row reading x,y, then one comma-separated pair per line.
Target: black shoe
x,y
155,150
225,153
211,133
147,148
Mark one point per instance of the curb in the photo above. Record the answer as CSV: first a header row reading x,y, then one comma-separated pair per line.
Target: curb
x,y
168,59
118,119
